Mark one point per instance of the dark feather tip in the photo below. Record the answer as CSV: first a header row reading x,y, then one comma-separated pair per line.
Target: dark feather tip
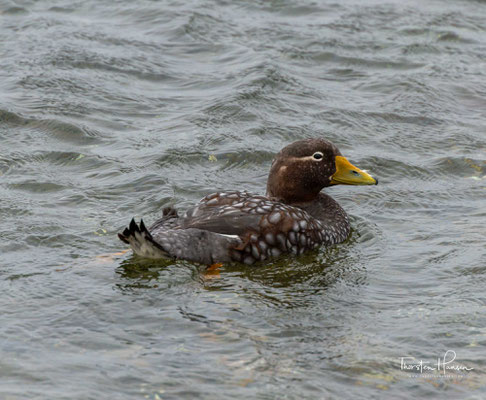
x,y
133,226
123,238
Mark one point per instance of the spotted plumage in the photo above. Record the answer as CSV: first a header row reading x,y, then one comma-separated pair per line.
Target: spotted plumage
x,y
293,217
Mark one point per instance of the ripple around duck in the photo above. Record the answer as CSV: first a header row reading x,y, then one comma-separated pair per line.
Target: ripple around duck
x,y
421,120
13,119
36,186
132,65
373,64
56,129
459,167
71,161
241,160
207,28
258,84
397,169
14,11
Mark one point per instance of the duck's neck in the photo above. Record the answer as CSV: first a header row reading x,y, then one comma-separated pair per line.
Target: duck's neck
x,y
330,213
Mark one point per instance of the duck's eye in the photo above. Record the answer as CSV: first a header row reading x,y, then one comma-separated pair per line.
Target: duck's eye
x,y
317,155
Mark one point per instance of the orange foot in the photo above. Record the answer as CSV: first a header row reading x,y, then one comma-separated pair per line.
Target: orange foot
x,y
212,272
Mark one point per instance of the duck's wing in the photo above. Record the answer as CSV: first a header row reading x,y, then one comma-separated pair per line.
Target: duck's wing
x,y
243,214
228,213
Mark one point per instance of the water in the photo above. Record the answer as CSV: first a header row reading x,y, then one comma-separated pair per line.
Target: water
x,y
114,110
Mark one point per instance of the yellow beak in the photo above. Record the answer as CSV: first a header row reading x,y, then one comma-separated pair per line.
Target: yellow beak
x,y
347,174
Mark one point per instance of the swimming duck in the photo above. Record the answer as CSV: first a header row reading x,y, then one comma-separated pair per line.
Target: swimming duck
x,y
293,217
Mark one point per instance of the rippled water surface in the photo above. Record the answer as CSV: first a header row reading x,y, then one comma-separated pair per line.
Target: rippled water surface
x,y
110,110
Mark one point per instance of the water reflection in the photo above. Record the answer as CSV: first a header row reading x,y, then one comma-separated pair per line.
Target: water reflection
x,y
284,282
139,273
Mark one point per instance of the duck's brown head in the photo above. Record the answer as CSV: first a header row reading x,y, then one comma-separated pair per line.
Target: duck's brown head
x,y
302,169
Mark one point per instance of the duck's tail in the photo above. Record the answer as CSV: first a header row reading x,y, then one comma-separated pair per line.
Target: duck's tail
x,y
141,241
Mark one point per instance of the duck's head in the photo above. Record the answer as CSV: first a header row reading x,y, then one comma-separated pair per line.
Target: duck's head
x,y
302,169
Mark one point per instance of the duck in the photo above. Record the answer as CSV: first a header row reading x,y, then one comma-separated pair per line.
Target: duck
x,y
293,217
